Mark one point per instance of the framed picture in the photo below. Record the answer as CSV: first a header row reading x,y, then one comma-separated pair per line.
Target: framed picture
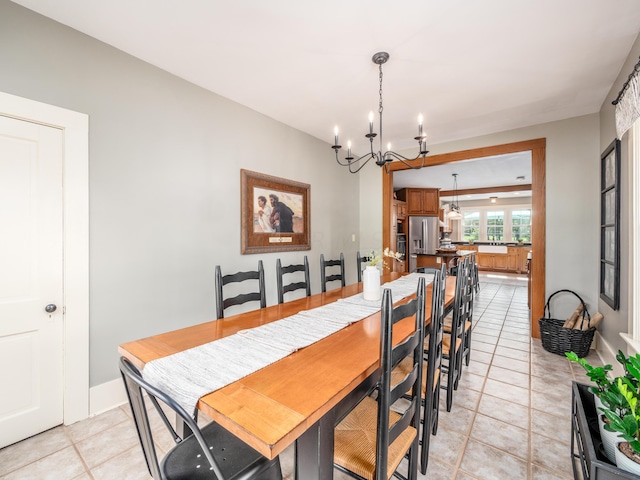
x,y
610,225
275,214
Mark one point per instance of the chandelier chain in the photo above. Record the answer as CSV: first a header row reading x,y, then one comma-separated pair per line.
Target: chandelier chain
x,y
380,107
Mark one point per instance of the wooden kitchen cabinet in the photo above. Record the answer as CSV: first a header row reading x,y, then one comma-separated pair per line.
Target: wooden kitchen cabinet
x,y
515,260
420,201
493,261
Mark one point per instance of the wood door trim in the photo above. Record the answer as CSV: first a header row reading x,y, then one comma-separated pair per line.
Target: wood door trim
x,y
537,147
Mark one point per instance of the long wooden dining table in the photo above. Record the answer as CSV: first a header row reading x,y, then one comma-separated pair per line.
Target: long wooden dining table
x,y
299,398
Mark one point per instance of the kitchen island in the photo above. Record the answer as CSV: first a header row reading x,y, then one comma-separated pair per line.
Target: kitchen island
x,y
436,258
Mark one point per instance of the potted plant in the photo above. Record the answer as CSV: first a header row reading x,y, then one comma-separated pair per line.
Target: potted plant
x,y
624,418
602,388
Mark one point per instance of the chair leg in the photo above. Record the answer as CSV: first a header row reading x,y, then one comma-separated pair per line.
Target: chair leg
x,y
467,347
437,409
413,460
451,375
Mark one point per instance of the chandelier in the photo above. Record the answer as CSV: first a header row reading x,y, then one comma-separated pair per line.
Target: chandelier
x,y
381,159
454,208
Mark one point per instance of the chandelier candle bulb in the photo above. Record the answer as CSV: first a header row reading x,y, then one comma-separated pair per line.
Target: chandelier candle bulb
x,y
335,132
370,122
349,148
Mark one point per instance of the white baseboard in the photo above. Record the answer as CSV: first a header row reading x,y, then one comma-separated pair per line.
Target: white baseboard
x,y
106,396
607,355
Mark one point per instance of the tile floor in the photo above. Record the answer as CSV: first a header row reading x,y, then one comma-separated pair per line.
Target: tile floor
x,y
510,419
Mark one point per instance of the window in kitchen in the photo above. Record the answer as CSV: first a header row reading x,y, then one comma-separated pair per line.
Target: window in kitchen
x,y
521,225
471,226
495,226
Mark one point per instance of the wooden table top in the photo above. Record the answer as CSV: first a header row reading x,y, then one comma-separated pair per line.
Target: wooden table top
x,y
272,407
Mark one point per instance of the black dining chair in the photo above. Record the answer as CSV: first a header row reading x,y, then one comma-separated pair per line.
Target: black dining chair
x,y
360,260
331,264
454,335
469,299
210,453
432,384
256,296
292,286
432,366
371,440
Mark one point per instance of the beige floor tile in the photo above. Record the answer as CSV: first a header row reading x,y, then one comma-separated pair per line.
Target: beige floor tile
x,y
545,424
487,463
447,445
551,454
32,449
544,403
511,364
477,368
490,339
478,356
539,473
129,465
437,469
515,344
516,336
86,428
458,420
470,380
62,465
509,376
481,346
109,443
463,397
501,435
507,392
512,353
504,410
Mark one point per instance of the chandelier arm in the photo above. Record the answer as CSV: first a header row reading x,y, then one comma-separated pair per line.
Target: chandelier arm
x,y
347,163
406,160
363,164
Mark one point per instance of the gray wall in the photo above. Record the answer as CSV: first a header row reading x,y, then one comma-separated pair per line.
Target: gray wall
x,y
619,321
165,160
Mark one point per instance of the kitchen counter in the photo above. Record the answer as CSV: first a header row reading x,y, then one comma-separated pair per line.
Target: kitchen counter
x,y
432,258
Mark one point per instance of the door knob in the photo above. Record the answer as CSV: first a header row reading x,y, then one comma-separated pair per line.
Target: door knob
x,y
50,308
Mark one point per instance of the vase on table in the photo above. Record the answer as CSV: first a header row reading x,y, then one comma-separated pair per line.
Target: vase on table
x,y
371,281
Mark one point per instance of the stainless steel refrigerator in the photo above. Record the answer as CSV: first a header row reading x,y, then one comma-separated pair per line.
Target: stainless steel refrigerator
x,y
424,238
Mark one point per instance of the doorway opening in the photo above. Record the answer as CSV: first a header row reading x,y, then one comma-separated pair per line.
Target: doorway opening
x,y
537,148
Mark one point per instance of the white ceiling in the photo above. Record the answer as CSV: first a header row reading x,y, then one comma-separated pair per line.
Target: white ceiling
x,y
495,171
471,67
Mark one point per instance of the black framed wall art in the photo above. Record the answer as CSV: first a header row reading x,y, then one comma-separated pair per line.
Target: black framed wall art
x,y
610,225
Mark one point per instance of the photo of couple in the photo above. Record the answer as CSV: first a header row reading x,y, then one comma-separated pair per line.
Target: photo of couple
x,y
277,212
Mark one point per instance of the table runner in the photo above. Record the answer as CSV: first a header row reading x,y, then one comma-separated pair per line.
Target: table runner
x,y
192,373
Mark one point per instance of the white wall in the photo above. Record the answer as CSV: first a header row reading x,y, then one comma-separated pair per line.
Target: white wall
x,y
165,160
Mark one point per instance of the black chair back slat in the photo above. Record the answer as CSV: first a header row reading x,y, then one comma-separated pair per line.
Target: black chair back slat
x,y
289,269
324,265
223,303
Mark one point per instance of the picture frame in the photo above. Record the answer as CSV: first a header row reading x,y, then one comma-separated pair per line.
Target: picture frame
x,y
275,214
610,225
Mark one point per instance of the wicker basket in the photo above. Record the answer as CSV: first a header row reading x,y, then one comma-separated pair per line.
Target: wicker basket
x,y
559,340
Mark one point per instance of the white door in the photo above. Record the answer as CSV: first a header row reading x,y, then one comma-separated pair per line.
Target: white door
x,y
31,339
